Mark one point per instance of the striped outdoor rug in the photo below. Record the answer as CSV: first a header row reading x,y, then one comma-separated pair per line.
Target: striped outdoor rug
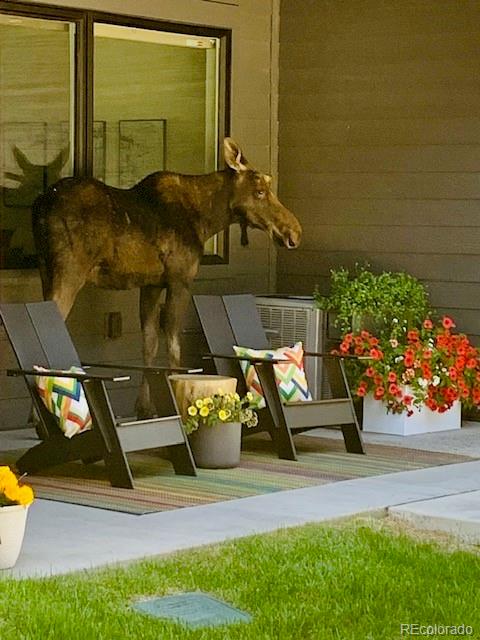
x,y
157,488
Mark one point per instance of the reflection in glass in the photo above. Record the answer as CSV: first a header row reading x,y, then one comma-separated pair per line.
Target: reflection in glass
x,y
36,124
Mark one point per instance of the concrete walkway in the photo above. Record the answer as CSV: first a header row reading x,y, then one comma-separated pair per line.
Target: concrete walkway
x,y
62,537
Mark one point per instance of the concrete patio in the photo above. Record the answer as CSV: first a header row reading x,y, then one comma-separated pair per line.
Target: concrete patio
x,y
64,537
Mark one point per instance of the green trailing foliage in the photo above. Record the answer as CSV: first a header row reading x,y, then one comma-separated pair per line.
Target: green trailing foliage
x,y
363,299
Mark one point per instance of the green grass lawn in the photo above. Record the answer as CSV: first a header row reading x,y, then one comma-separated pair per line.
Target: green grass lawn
x,y
357,580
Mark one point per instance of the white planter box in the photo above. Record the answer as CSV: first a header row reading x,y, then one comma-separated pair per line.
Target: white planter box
x,y
424,420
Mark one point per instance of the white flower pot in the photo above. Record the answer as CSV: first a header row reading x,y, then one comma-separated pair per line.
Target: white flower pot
x,y
376,419
12,530
217,447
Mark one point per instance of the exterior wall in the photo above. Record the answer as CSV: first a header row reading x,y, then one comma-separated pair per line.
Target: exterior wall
x,y
379,145
253,125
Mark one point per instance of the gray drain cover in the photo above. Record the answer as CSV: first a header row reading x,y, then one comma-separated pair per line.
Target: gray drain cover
x,y
192,609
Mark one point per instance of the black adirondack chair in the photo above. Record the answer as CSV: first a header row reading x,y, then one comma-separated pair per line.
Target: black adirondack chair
x,y
39,337
234,319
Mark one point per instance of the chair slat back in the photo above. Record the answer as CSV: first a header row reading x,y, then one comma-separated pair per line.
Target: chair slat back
x,y
22,335
245,322
38,335
53,335
218,334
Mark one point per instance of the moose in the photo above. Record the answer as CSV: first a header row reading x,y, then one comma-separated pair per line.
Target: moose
x,y
150,236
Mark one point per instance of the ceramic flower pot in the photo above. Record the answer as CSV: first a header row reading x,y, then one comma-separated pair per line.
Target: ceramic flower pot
x,y
217,447
12,530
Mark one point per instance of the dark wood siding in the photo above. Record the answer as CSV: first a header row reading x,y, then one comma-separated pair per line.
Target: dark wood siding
x,y
379,143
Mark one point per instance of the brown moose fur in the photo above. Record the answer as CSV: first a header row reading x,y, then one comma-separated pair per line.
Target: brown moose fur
x,y
150,236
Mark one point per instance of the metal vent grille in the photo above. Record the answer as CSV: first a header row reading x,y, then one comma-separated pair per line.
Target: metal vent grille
x,y
291,324
290,320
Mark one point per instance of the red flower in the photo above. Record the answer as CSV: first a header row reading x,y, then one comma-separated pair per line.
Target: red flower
x,y
413,335
426,371
438,365
394,390
447,322
362,391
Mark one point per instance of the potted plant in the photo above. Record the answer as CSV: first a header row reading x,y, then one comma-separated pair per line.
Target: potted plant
x,y
214,424
417,373
365,300
15,498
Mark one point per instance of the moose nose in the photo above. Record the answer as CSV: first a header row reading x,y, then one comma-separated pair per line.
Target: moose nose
x,y
292,241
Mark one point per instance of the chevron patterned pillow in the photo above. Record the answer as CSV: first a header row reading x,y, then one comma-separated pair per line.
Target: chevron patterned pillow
x,y
65,398
290,377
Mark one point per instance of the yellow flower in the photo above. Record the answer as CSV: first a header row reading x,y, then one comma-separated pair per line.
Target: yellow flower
x,y
207,400
192,411
24,495
249,396
11,490
223,415
236,396
204,411
199,403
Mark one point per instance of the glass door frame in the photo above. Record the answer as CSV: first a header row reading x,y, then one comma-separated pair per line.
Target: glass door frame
x,y
84,21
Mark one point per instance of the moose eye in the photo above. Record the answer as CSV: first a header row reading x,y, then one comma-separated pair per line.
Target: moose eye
x,y
260,194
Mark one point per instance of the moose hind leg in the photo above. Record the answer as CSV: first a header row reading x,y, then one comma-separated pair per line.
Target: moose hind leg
x,y
150,323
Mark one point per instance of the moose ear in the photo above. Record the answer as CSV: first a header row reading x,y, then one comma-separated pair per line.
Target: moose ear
x,y
233,155
21,159
57,164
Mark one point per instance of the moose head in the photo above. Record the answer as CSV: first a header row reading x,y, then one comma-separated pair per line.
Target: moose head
x,y
254,204
36,177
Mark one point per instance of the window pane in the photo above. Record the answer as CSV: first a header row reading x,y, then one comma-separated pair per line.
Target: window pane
x,y
36,124
156,98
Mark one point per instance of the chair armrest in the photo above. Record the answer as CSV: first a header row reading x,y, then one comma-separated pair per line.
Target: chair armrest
x,y
133,367
65,374
253,360
340,356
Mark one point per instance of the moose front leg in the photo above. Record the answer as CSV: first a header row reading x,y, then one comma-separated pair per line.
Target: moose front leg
x,y
150,323
178,297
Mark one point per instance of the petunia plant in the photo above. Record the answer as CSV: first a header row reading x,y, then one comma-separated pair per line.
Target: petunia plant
x,y
431,365
221,408
11,491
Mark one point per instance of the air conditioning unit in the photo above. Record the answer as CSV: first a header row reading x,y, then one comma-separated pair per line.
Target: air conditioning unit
x,y
292,319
